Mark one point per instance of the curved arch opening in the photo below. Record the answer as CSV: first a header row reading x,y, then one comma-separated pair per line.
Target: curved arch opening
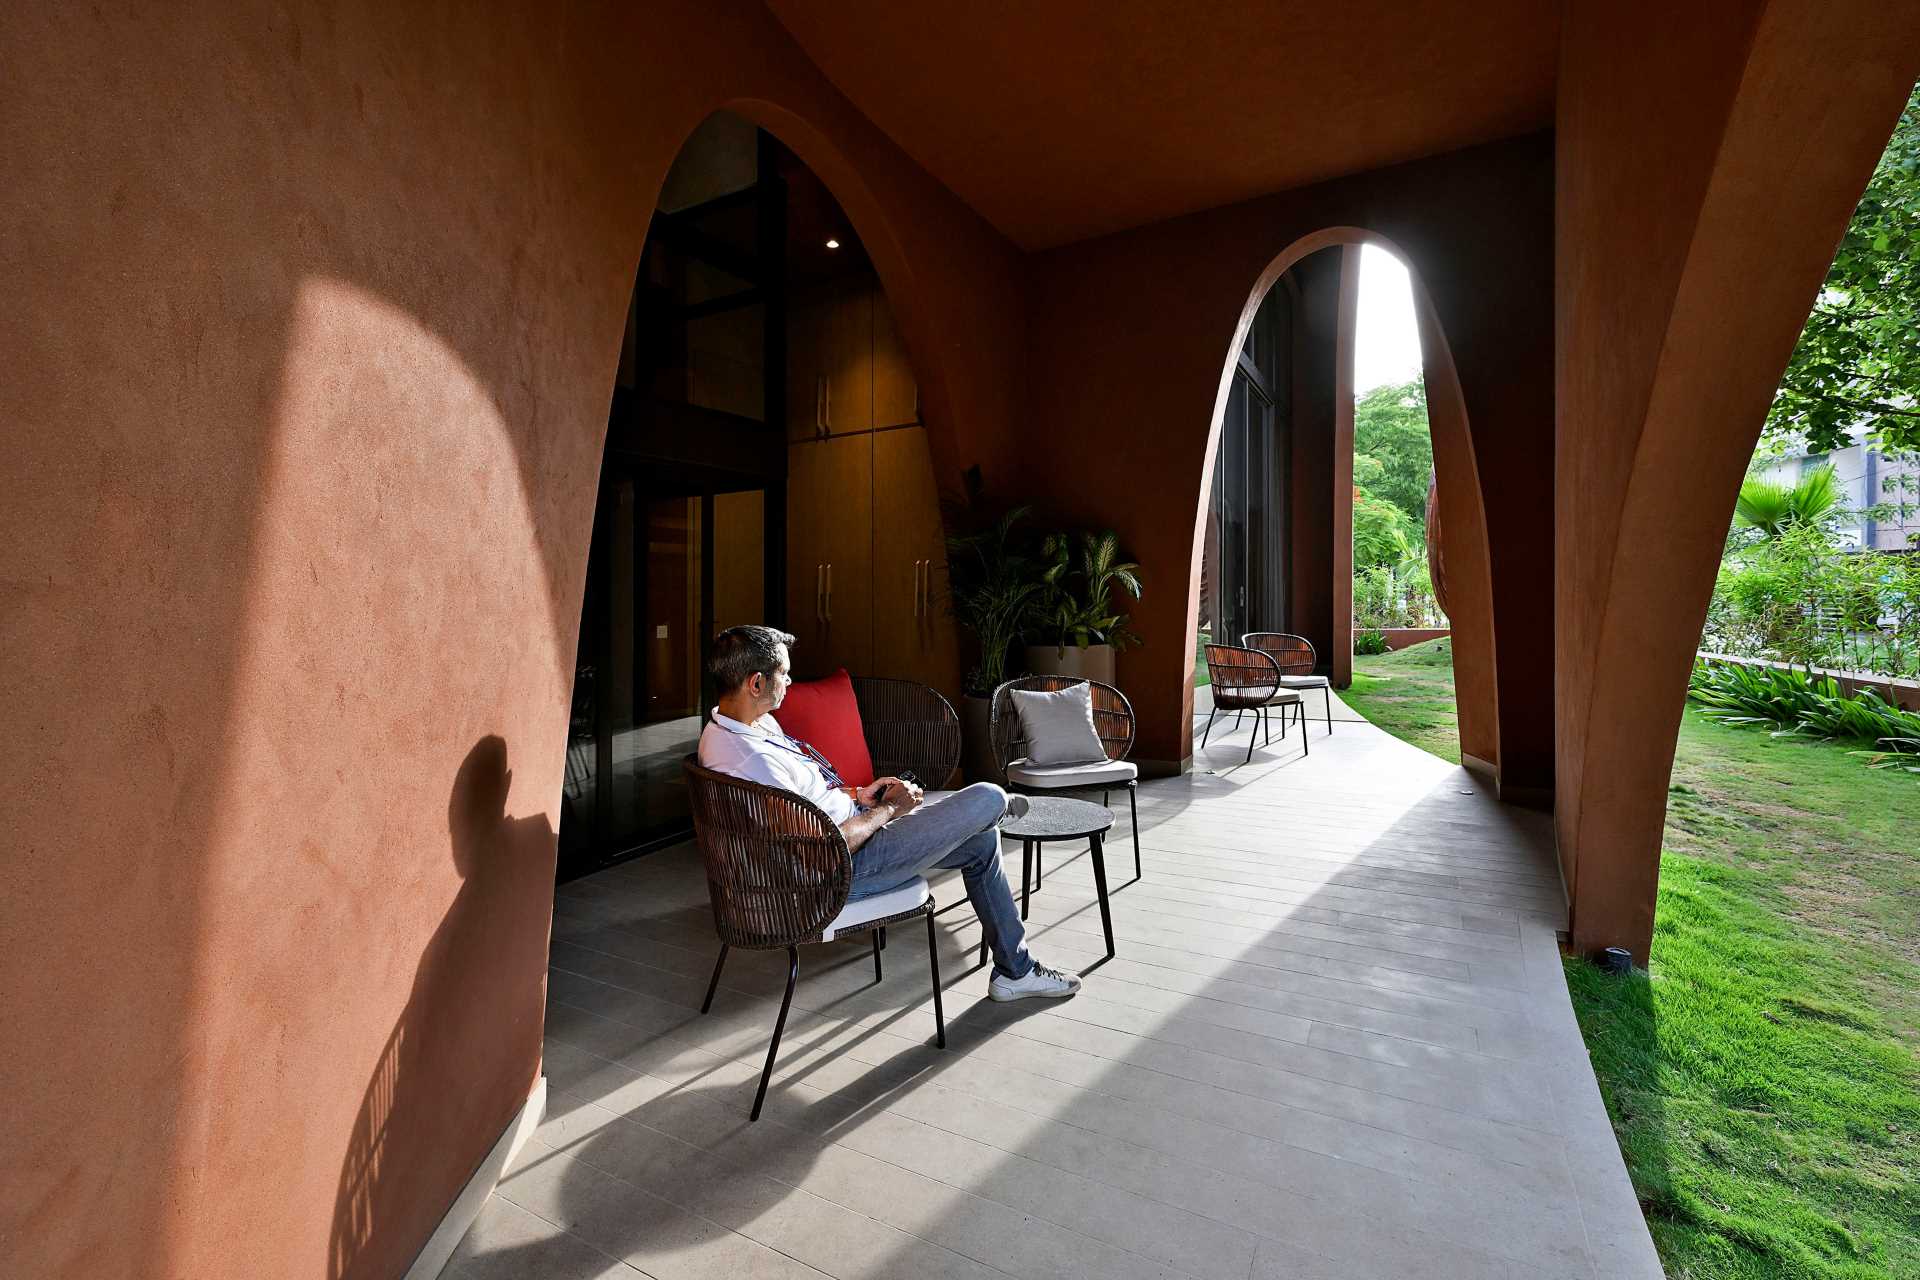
x,y
1275,546
765,425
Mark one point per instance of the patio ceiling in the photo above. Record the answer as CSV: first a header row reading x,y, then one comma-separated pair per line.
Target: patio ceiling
x,y
1058,122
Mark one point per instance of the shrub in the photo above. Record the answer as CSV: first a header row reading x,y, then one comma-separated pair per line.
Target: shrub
x,y
1369,642
1795,703
1797,597
1396,595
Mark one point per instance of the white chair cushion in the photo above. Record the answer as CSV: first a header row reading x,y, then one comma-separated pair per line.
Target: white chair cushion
x,y
1304,682
1058,726
1096,773
909,896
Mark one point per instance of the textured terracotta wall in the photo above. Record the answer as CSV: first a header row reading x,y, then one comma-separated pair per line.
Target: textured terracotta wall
x,y
312,320
1130,334
1708,161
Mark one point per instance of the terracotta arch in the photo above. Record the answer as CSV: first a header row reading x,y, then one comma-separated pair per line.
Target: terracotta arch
x,y
1463,522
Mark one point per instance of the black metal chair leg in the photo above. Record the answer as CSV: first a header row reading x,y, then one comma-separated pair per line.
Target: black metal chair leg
x,y
779,1026
933,962
1329,692
1211,712
715,984
883,937
1252,738
1237,716
876,955
1133,809
1039,864
1305,748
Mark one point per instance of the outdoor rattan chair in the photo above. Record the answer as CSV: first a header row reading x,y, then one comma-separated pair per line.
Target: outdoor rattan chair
x,y
1112,721
778,872
909,729
1244,680
1297,662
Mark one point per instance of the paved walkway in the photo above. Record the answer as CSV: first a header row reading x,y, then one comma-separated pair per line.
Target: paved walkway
x,y
1335,1043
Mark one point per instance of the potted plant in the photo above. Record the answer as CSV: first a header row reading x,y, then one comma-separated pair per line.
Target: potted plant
x,y
992,588
1076,629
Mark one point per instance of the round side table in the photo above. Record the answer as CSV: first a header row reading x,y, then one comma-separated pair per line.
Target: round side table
x,y
1058,818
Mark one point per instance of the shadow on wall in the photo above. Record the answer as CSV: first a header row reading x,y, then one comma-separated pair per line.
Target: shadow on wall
x,y
480,981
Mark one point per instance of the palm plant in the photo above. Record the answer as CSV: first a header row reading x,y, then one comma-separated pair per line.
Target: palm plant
x,y
993,587
1066,616
1773,508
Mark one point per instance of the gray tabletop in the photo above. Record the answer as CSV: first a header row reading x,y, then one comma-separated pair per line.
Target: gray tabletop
x,y
1057,818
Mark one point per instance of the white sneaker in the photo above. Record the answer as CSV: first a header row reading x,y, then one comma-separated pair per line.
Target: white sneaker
x,y
1017,806
1041,981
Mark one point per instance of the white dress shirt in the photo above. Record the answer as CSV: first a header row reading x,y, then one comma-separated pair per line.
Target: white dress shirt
x,y
761,752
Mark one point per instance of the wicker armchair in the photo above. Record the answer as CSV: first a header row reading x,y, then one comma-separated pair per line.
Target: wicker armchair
x,y
1112,720
1297,661
909,728
778,872
1245,680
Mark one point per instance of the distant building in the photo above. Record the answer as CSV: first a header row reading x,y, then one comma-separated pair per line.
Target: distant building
x,y
1867,478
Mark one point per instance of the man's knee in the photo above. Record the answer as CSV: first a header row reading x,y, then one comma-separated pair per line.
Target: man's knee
x,y
982,801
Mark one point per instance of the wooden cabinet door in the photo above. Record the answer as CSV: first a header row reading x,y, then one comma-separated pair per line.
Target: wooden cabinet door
x,y
896,398
830,554
808,315
846,338
913,631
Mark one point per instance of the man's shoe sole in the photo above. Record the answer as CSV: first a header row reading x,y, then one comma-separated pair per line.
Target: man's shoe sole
x,y
997,998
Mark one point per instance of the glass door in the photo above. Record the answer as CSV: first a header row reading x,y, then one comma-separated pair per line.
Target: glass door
x,y
662,559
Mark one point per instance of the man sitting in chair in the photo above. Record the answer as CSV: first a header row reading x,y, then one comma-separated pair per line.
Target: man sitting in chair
x,y
893,836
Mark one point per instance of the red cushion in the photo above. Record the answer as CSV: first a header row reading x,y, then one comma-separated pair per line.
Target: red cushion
x,y
824,714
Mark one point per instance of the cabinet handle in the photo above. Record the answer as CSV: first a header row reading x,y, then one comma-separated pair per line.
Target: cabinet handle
x,y
829,593
819,589
926,590
819,405
919,566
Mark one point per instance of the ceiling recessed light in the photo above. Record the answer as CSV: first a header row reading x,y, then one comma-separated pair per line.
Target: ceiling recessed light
x,y
833,244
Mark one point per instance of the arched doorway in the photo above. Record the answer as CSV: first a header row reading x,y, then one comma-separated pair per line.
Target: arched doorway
x,y
1275,542
764,427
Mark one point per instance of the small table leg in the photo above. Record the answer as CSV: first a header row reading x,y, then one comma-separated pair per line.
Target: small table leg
x,y
1100,887
1026,874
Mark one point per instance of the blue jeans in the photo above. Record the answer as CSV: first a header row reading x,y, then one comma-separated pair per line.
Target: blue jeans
x,y
958,830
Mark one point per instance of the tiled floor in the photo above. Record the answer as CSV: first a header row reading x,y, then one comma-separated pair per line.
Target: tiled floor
x,y
1335,1043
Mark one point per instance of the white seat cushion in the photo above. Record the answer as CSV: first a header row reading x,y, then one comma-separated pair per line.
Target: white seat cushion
x,y
1304,682
1096,773
909,896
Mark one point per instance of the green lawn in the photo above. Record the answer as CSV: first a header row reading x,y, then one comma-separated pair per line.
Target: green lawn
x,y
1763,1078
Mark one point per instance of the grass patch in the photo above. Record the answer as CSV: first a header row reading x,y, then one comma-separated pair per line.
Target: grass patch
x,y
1410,695
1762,1078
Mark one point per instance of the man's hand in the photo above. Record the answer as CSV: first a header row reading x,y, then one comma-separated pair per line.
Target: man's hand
x,y
897,794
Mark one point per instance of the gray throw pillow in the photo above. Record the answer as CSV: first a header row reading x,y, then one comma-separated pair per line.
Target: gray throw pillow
x,y
1059,726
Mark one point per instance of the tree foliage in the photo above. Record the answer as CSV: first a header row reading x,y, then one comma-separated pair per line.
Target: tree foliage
x,y
1393,451
1858,359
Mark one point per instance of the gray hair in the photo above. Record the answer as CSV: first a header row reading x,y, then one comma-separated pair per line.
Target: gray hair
x,y
738,653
